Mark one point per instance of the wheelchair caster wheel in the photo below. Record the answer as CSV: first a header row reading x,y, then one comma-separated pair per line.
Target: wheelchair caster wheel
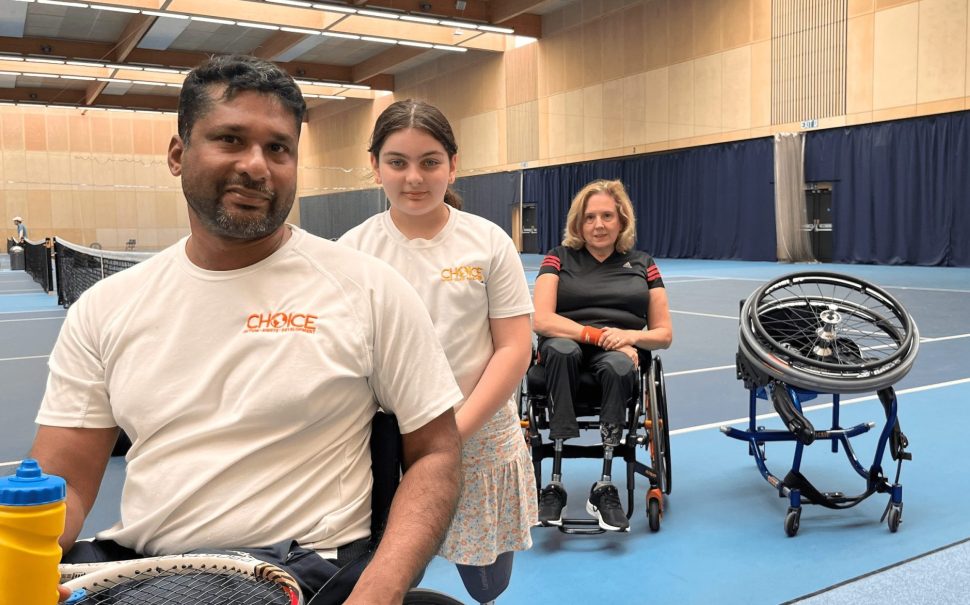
x,y
895,517
792,520
653,514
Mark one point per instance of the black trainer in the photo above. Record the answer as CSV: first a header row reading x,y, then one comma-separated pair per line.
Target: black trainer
x,y
552,502
604,504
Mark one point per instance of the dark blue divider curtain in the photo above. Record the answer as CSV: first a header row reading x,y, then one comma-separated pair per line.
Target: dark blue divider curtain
x,y
901,190
490,196
712,202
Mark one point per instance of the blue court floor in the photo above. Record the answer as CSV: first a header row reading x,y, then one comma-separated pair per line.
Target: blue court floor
x,y
722,537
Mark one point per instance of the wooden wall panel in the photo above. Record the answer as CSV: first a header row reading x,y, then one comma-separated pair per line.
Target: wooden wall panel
x,y
634,44
860,51
736,88
656,109
896,37
942,51
708,25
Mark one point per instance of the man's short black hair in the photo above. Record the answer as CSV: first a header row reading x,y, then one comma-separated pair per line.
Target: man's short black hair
x,y
238,73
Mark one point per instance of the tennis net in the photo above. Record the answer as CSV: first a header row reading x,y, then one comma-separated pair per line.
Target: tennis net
x,y
78,268
37,262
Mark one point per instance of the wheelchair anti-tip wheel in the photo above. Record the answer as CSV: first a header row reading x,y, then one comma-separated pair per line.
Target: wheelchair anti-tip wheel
x,y
828,332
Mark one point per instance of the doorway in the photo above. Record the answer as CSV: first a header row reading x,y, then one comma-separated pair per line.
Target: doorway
x,y
818,212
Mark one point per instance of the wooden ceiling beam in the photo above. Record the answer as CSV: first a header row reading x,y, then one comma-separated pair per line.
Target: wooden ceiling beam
x,y
384,61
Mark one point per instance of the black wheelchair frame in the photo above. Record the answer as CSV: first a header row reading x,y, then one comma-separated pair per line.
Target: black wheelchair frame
x,y
650,403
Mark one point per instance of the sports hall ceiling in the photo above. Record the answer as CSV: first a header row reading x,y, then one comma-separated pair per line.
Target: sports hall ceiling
x,y
134,53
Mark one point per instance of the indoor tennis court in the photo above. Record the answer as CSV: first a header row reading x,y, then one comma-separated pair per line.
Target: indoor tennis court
x,y
756,138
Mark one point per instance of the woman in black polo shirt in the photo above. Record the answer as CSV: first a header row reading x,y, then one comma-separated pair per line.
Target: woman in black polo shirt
x,y
597,301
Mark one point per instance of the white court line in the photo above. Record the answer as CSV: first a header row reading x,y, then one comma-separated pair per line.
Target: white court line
x,y
58,310
821,406
939,338
22,358
672,374
5,292
16,463
729,278
685,281
5,321
735,318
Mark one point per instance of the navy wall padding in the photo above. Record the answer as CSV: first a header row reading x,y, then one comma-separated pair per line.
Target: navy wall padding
x,y
901,190
712,202
332,214
491,196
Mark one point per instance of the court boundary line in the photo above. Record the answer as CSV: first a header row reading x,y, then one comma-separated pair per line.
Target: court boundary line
x,y
23,358
820,406
876,572
729,278
7,321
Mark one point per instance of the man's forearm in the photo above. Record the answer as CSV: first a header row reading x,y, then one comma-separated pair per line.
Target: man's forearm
x,y
419,519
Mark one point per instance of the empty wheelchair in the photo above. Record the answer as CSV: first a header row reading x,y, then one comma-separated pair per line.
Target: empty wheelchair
x,y
809,333
645,428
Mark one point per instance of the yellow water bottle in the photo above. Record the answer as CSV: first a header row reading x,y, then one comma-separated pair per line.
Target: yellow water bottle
x,y
32,512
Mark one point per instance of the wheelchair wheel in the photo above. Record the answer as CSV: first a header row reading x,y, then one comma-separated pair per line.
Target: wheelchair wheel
x,y
653,515
828,332
425,596
659,431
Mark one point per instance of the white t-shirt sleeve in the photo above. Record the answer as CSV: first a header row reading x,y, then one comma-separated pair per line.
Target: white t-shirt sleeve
x,y
411,376
508,291
76,394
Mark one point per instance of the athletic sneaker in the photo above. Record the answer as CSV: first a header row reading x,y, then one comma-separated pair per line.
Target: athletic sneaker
x,y
552,502
604,504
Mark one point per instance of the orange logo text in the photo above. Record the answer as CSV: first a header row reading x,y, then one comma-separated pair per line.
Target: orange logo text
x,y
281,322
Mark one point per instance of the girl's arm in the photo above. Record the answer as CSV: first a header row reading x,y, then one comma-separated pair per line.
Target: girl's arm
x,y
512,341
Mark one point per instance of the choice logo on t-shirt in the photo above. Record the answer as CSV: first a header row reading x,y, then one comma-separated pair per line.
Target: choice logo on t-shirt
x,y
281,322
464,273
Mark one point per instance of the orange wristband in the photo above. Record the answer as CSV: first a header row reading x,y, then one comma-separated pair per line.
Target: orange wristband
x,y
590,335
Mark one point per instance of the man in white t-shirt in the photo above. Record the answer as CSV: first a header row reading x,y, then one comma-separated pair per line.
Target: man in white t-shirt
x,y
246,364
21,236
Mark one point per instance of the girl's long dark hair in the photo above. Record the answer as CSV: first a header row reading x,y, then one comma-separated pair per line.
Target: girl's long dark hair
x,y
412,113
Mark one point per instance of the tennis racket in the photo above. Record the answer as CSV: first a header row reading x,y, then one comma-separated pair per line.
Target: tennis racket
x,y
196,579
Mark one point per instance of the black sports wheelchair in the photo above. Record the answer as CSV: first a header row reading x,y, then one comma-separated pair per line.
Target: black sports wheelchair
x,y
815,332
646,427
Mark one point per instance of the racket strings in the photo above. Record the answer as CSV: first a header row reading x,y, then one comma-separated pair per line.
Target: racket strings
x,y
184,588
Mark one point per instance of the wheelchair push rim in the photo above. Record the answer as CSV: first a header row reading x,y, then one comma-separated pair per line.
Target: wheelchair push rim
x,y
828,332
659,426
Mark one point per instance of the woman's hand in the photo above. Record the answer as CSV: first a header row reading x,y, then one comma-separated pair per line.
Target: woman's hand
x,y
632,353
614,339
63,594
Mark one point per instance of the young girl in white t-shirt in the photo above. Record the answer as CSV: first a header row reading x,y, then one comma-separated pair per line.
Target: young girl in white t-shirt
x,y
471,279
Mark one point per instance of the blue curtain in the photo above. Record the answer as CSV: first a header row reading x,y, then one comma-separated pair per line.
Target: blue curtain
x,y
708,202
901,190
491,196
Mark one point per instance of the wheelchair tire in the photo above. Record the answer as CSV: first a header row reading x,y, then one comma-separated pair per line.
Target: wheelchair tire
x,y
659,433
425,596
662,407
828,332
653,515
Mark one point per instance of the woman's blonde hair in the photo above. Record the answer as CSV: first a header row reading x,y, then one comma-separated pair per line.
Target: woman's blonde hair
x,y
573,234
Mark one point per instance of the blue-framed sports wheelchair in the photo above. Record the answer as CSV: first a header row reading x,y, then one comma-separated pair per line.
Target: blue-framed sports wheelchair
x,y
810,333
645,428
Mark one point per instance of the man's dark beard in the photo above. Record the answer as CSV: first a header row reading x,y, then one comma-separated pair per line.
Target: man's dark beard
x,y
218,221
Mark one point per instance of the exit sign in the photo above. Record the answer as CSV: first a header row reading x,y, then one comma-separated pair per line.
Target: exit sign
x,y
806,124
